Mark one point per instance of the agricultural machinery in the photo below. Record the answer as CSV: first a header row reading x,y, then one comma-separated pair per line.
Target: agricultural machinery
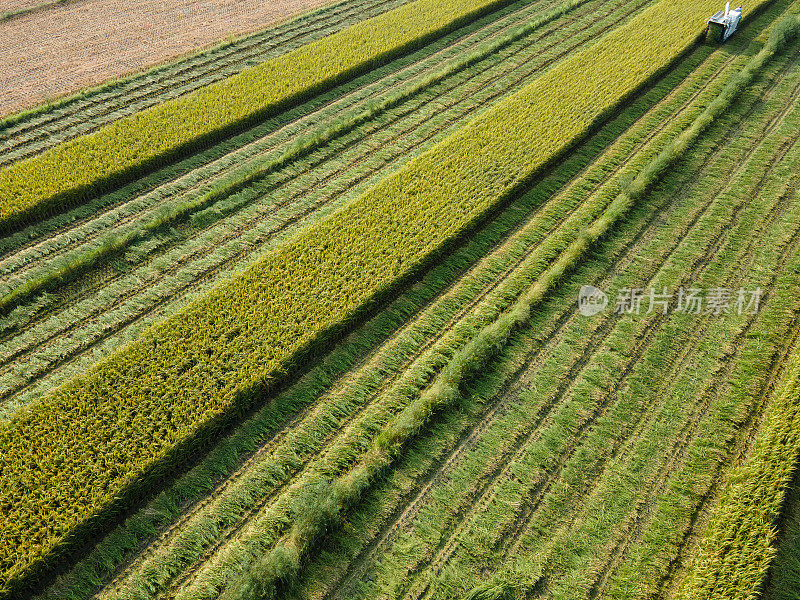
x,y
722,25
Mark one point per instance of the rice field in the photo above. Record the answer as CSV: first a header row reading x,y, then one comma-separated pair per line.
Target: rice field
x,y
338,345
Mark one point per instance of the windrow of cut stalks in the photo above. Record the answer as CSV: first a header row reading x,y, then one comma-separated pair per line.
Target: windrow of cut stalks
x,y
71,462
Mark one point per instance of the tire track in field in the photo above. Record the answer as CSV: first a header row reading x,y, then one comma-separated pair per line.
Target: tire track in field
x,y
198,254
699,266
462,447
376,89
190,76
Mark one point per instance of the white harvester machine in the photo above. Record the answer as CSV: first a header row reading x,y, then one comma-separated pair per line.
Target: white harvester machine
x,y
722,25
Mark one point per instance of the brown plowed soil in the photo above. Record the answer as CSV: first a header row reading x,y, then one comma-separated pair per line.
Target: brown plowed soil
x,y
49,53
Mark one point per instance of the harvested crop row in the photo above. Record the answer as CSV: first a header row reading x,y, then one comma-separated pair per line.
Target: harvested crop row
x,y
139,411
135,144
584,564
547,472
431,527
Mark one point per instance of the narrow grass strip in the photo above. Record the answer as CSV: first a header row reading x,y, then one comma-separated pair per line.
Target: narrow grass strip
x,y
333,497
784,576
98,442
133,145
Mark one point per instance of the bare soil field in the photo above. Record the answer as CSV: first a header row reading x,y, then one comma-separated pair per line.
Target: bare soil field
x,y
50,53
